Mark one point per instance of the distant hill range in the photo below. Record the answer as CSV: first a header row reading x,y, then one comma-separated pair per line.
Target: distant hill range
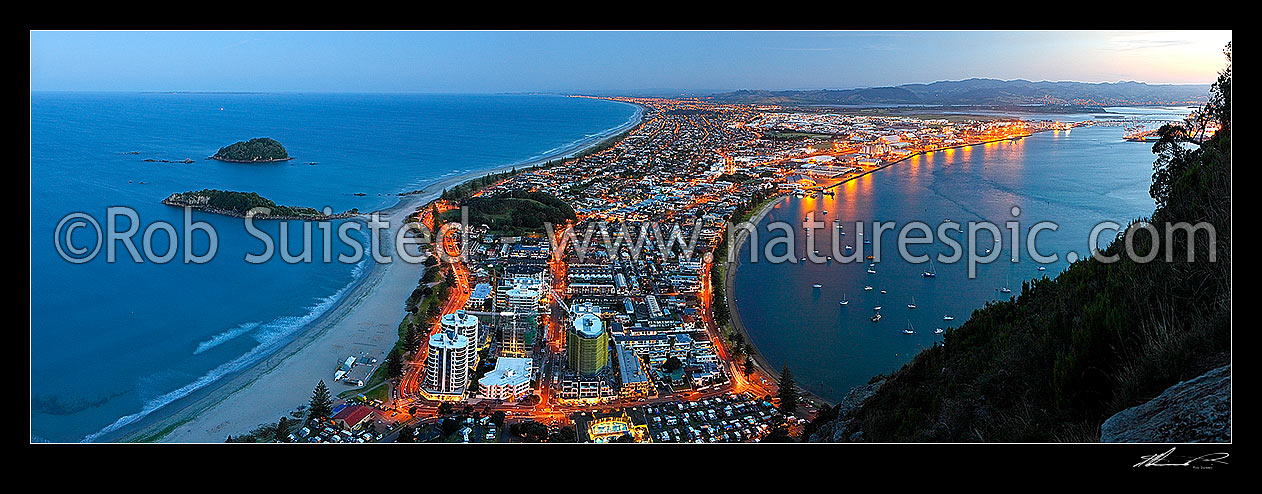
x,y
983,92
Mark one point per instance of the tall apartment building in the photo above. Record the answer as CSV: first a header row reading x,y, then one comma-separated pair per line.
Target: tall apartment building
x,y
466,325
447,366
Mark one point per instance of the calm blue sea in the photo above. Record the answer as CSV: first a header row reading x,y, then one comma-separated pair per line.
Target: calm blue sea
x,y
1075,179
113,340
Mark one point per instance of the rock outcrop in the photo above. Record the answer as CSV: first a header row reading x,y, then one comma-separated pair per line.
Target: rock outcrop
x,y
838,431
1197,410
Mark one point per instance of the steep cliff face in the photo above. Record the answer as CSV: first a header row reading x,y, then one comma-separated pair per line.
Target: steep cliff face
x,y
1196,410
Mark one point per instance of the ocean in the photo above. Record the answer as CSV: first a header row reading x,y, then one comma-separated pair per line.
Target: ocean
x,y
111,340
1075,179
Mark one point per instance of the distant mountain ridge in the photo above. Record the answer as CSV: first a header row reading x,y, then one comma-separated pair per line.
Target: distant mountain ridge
x,y
982,92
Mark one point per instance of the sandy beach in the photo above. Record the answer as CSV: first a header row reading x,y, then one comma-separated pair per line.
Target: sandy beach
x,y
734,315
364,322
729,285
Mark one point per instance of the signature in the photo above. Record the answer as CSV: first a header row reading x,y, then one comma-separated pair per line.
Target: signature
x,y
1166,460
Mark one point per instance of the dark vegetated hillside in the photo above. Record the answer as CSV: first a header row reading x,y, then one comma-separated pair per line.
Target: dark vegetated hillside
x,y
518,210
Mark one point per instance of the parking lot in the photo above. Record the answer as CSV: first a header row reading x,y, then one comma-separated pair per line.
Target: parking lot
x,y
728,418
330,434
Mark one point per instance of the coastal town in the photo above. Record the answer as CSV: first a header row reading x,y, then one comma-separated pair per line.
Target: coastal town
x,y
536,237
522,333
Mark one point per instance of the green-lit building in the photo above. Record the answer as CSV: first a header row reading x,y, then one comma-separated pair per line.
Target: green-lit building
x,y
587,345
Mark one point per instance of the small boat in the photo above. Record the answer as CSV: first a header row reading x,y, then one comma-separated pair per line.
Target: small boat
x,y
931,273
1041,268
912,305
883,291
876,317
849,248
909,329
843,300
867,288
817,285
937,331
870,270
948,318
867,242
876,308
870,257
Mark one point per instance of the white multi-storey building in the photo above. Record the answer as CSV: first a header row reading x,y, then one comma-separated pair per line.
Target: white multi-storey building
x,y
447,366
465,325
509,381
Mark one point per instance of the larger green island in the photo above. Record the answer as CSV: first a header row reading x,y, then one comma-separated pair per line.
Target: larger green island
x,y
232,203
257,150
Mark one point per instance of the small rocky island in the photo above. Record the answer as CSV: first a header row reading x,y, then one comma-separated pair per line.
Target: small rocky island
x,y
257,150
237,204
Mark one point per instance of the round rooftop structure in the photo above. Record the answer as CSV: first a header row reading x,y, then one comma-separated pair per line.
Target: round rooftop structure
x,y
459,319
589,325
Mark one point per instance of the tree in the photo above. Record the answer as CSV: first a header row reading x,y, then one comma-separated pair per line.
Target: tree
x,y
450,426
565,434
529,431
445,408
413,303
321,403
429,276
394,364
749,365
498,418
449,279
406,434
788,392
672,364
411,339
778,434
282,430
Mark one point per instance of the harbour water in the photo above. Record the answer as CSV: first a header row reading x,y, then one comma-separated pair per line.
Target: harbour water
x,y
110,340
1076,179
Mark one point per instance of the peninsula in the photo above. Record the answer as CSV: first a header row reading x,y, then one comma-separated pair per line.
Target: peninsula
x,y
238,204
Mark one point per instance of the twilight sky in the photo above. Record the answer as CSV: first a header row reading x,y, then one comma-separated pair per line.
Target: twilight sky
x,y
604,61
